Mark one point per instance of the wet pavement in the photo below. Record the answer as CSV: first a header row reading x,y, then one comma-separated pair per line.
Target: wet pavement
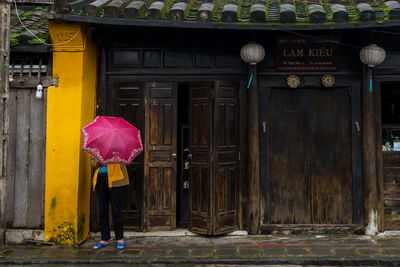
x,y
326,250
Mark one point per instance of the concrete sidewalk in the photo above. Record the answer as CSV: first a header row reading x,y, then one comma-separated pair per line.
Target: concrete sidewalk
x,y
354,250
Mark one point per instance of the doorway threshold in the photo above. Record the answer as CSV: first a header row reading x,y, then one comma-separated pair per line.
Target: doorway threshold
x,y
177,232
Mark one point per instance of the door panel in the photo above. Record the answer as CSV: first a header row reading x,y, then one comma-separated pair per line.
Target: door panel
x,y
201,169
331,171
226,132
127,102
310,157
214,135
160,156
289,154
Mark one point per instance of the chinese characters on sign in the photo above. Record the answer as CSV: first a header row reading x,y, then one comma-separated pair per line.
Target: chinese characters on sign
x,y
307,54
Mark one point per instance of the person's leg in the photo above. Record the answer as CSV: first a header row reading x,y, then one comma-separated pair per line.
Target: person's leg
x,y
103,193
116,208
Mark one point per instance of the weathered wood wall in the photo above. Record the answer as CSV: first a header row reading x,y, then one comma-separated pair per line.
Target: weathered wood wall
x,y
26,160
4,89
391,170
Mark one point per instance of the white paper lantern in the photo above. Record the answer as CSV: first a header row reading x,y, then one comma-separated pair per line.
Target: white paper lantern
x,y
252,53
372,55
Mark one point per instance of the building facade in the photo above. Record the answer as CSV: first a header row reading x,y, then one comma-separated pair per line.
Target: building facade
x,y
294,143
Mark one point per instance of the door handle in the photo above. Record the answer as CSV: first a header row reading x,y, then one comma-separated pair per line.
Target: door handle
x,y
174,156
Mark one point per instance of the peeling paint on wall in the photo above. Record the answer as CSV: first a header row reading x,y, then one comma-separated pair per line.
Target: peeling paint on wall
x,y
81,226
65,234
53,203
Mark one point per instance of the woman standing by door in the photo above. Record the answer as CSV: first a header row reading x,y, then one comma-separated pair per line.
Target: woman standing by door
x,y
109,181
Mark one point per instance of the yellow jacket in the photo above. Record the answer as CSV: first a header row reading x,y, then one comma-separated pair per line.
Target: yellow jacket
x,y
117,174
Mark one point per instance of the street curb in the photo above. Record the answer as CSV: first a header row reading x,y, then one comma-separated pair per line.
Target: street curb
x,y
292,261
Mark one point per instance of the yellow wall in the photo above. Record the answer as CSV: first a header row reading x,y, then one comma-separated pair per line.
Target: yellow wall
x,y
70,106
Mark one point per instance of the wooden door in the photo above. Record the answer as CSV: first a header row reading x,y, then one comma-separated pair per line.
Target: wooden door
x,y
289,158
160,156
125,99
214,145
331,155
310,157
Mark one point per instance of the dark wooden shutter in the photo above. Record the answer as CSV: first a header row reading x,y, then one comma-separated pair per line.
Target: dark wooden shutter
x,y
226,136
214,144
160,156
200,132
126,100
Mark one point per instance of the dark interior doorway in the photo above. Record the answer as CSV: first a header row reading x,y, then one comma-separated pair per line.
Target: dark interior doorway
x,y
183,157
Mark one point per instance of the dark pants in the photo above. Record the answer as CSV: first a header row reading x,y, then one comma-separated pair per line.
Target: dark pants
x,y
106,196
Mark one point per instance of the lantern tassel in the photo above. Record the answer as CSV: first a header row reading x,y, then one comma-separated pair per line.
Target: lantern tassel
x,y
251,78
370,80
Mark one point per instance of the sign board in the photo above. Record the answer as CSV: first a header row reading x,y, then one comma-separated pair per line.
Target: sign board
x,y
307,54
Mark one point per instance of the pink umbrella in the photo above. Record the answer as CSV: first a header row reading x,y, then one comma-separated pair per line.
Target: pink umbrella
x,y
111,140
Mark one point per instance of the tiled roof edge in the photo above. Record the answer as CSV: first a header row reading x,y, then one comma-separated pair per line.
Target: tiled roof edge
x,y
218,25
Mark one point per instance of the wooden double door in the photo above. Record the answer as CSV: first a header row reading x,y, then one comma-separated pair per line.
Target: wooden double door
x,y
310,157
150,201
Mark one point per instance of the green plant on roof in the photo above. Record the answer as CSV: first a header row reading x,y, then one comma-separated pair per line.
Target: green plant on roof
x,y
14,39
39,8
44,37
217,10
244,10
165,10
328,10
189,7
25,15
380,10
34,42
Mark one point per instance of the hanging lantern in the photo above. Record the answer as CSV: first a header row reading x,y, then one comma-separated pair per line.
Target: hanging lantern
x,y
372,55
252,53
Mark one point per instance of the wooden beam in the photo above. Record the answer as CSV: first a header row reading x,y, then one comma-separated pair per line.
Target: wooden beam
x,y
379,160
4,116
31,82
369,156
253,159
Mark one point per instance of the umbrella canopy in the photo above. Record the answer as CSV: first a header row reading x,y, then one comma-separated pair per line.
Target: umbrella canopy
x,y
111,140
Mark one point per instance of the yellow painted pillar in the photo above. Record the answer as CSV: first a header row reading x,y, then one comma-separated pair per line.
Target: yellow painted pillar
x,y
70,106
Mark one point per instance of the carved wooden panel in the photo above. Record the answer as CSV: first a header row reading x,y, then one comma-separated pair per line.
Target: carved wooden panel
x,y
160,156
201,170
214,146
127,97
226,136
